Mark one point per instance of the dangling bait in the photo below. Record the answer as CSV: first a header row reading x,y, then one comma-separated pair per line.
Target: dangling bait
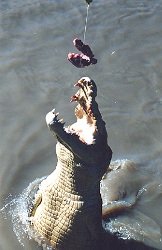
x,y
84,59
87,56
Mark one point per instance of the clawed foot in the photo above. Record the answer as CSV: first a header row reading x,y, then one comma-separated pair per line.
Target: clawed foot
x,y
51,118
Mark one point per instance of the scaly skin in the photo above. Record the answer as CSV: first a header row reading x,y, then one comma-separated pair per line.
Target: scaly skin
x,y
67,210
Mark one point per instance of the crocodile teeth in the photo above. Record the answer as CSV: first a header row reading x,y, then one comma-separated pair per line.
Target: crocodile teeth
x,y
61,120
74,98
78,84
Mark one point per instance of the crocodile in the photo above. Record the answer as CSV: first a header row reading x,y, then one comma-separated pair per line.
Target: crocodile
x,y
67,208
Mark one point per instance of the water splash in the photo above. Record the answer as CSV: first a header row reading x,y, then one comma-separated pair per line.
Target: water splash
x,y
17,209
142,223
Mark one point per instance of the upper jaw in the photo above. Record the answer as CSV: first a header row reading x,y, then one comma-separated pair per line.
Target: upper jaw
x,y
84,96
87,90
88,86
83,80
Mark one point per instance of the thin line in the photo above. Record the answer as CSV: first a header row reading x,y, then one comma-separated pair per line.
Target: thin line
x,y
85,28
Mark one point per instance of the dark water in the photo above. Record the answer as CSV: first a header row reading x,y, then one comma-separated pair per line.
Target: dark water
x,y
35,38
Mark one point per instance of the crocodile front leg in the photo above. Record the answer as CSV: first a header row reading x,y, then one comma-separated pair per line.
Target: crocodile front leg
x,y
35,203
75,145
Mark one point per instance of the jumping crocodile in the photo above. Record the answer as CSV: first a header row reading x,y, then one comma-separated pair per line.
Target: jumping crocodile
x,y
67,208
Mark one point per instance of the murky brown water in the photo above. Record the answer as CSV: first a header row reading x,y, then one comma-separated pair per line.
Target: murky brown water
x,y
35,38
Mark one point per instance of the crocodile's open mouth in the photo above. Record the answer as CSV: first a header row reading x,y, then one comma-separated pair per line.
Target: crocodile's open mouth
x,y
85,127
84,96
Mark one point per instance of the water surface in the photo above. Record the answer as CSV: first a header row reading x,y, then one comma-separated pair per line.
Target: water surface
x,y
35,38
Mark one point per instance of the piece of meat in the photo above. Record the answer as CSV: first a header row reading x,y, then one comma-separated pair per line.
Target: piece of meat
x,y
81,60
84,48
84,59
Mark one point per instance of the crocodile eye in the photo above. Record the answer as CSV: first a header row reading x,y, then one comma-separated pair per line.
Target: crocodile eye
x,y
89,84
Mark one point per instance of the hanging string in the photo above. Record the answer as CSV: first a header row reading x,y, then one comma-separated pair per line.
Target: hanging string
x,y
85,28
